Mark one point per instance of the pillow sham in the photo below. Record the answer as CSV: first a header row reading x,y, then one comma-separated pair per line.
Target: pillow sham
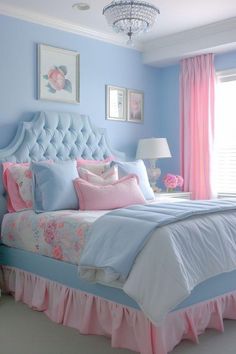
x,y
120,194
53,186
22,175
95,166
12,184
138,168
107,177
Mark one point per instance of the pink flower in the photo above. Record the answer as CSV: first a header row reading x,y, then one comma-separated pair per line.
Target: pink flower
x,y
80,232
180,181
50,232
57,252
170,181
56,78
135,103
28,174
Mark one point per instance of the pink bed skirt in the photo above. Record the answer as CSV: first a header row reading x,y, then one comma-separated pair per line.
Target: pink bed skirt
x,y
127,327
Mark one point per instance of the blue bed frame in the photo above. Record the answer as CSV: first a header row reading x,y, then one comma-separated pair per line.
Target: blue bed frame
x,y
62,136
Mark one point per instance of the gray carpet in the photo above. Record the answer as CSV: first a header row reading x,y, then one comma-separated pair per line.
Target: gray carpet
x,y
24,331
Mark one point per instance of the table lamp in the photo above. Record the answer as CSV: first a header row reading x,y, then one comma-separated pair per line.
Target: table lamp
x,y
152,149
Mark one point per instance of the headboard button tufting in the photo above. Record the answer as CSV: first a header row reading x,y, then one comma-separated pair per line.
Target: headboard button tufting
x,y
58,135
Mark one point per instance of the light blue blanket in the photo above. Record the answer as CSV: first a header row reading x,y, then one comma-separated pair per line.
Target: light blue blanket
x,y
115,239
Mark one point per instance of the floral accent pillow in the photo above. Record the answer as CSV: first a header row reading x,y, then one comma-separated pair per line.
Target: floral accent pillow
x,y
14,199
108,177
23,178
95,166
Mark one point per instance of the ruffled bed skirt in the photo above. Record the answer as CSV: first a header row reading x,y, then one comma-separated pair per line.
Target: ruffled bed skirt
x,y
127,327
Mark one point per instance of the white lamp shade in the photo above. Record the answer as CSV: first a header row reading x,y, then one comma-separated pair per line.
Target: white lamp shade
x,y
153,148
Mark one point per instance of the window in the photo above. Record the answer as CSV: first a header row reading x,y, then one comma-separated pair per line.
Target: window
x,y
225,133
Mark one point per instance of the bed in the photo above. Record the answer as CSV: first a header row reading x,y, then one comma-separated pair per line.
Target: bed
x,y
53,285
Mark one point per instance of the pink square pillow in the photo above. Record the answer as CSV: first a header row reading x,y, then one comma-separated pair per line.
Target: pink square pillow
x,y
14,200
120,194
95,166
107,177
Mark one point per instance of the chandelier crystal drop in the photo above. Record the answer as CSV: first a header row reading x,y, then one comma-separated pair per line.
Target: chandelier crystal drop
x,y
130,17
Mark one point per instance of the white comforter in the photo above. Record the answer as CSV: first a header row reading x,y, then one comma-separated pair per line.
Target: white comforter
x,y
177,258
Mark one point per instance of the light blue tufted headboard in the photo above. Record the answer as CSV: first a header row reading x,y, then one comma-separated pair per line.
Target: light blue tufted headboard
x,y
56,136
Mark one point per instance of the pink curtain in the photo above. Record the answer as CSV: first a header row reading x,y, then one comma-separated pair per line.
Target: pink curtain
x,y
197,84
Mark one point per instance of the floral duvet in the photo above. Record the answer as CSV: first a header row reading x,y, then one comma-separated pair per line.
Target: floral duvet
x,y
58,234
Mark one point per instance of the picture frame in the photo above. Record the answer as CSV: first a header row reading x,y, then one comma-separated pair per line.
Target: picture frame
x,y
116,103
135,106
58,74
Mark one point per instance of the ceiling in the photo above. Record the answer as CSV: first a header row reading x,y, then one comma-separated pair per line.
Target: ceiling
x,y
184,27
176,15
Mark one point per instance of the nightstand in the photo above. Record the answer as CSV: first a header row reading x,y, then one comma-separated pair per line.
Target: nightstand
x,y
179,195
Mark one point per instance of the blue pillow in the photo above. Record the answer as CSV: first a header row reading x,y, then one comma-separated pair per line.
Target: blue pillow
x,y
53,187
138,168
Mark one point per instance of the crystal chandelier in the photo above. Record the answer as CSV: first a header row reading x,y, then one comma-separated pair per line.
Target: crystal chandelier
x,y
130,17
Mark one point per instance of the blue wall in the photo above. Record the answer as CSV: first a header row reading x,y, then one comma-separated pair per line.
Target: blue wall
x,y
169,108
169,116
100,64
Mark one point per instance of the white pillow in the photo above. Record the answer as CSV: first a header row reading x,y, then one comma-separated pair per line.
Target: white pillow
x,y
139,169
108,177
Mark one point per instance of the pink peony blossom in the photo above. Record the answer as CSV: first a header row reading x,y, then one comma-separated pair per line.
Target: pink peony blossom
x,y
50,232
135,103
170,181
57,252
56,78
80,232
180,181
28,174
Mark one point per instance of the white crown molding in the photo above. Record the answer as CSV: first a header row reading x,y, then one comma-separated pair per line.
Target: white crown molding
x,y
162,51
216,37
53,22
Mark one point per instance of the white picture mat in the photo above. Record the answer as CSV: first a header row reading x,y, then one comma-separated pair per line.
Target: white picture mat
x,y
50,57
116,103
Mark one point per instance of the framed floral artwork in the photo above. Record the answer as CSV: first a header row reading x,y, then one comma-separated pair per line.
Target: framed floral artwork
x,y
115,103
58,72
135,106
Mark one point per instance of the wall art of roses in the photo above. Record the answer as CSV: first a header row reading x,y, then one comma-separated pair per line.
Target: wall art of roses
x,y
56,79
58,74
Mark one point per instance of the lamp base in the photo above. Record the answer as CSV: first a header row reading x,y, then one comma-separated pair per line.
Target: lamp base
x,y
153,175
155,188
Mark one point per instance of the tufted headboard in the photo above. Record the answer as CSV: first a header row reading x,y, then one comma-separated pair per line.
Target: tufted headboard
x,y
56,136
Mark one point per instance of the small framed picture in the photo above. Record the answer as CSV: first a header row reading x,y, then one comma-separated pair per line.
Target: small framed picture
x,y
115,103
58,74
135,106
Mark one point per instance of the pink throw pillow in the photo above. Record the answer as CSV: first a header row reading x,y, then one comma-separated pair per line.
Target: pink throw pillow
x,y
14,200
95,166
120,194
107,177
